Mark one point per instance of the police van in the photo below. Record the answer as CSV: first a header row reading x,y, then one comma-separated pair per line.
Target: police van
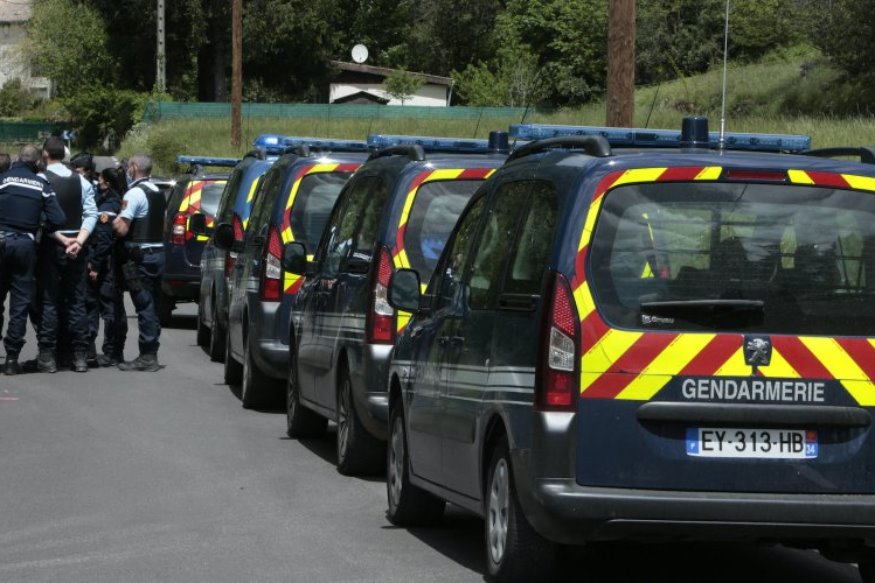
x,y
646,334
396,212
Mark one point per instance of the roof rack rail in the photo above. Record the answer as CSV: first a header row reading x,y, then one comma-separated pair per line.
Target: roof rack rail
x,y
865,153
256,153
301,150
196,163
655,138
496,144
597,146
414,152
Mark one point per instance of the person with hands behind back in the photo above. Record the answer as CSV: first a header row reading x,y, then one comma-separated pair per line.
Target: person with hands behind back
x,y
62,263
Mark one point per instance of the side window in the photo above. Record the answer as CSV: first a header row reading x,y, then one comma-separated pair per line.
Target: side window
x,y
533,246
342,226
499,229
449,277
264,199
374,202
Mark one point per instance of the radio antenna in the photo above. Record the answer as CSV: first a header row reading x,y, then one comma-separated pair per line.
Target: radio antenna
x,y
722,142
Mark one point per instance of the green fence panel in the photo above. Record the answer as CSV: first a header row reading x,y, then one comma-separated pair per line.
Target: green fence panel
x,y
30,131
163,111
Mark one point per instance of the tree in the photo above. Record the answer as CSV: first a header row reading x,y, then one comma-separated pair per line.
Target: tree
x,y
402,85
68,44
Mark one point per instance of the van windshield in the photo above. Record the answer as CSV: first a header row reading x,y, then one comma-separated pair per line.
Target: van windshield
x,y
313,203
780,259
434,214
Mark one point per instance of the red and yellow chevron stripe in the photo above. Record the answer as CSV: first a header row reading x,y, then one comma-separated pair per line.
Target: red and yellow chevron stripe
x,y
636,365
399,254
292,282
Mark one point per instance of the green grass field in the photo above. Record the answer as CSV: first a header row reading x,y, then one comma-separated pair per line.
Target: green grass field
x,y
760,95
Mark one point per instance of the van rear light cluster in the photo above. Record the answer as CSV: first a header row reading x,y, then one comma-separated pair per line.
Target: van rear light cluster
x,y
381,316
559,381
272,272
231,255
177,231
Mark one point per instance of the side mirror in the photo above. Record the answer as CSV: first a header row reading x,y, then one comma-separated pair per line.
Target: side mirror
x,y
223,238
404,290
295,258
197,224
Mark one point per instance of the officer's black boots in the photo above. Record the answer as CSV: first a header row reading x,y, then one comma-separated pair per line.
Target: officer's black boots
x,y
11,367
107,360
80,360
45,361
144,362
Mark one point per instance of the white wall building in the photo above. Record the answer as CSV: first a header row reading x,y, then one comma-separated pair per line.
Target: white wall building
x,y
14,15
364,84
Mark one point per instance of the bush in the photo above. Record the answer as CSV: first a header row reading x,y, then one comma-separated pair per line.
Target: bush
x,y
102,115
15,99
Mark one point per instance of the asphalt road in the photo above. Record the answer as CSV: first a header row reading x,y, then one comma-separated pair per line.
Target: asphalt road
x,y
112,476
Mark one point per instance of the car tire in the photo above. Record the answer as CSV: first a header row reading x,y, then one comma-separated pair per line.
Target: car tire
x,y
257,390
233,369
203,333
300,421
218,338
514,551
165,309
358,452
409,505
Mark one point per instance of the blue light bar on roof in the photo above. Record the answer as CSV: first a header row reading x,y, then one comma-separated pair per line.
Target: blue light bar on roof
x,y
430,144
646,138
276,144
207,161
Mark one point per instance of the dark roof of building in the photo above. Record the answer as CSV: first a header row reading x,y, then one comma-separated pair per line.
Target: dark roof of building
x,y
362,97
386,72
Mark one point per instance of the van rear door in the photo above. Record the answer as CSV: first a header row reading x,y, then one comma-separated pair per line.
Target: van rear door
x,y
728,334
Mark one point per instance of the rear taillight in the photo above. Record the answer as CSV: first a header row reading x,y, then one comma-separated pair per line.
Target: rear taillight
x,y
272,270
177,231
381,316
231,255
559,380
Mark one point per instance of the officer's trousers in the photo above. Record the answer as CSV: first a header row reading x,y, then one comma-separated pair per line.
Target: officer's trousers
x,y
105,301
144,294
17,262
62,281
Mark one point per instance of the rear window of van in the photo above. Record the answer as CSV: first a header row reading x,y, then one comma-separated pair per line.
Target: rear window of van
x,y
772,258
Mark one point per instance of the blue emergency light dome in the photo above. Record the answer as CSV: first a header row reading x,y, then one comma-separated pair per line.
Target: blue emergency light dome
x,y
497,142
695,134
277,144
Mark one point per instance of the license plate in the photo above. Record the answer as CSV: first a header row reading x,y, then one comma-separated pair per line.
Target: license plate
x,y
724,442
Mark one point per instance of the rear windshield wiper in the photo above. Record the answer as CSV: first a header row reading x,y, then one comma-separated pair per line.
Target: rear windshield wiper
x,y
713,313
704,305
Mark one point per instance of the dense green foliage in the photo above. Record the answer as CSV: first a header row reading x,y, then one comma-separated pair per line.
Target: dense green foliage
x,y
500,52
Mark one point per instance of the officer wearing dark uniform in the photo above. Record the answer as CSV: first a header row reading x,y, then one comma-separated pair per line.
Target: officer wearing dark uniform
x,y
141,224
62,264
24,198
104,299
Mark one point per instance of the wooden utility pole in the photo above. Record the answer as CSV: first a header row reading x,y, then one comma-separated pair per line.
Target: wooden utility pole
x,y
161,53
236,72
621,63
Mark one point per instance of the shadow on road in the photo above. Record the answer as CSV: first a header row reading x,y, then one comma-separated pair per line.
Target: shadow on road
x,y
325,448
183,322
459,537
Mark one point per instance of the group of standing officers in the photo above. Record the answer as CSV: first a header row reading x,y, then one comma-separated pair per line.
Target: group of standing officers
x,y
71,242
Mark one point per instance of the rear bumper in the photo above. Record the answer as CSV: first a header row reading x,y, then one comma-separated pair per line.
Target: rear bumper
x,y
565,512
269,353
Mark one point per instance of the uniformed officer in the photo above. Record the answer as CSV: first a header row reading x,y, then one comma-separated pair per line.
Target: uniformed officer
x,y
62,263
24,198
104,298
141,224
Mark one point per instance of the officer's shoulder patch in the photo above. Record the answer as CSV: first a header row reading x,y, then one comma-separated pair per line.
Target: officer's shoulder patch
x,y
104,217
124,204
